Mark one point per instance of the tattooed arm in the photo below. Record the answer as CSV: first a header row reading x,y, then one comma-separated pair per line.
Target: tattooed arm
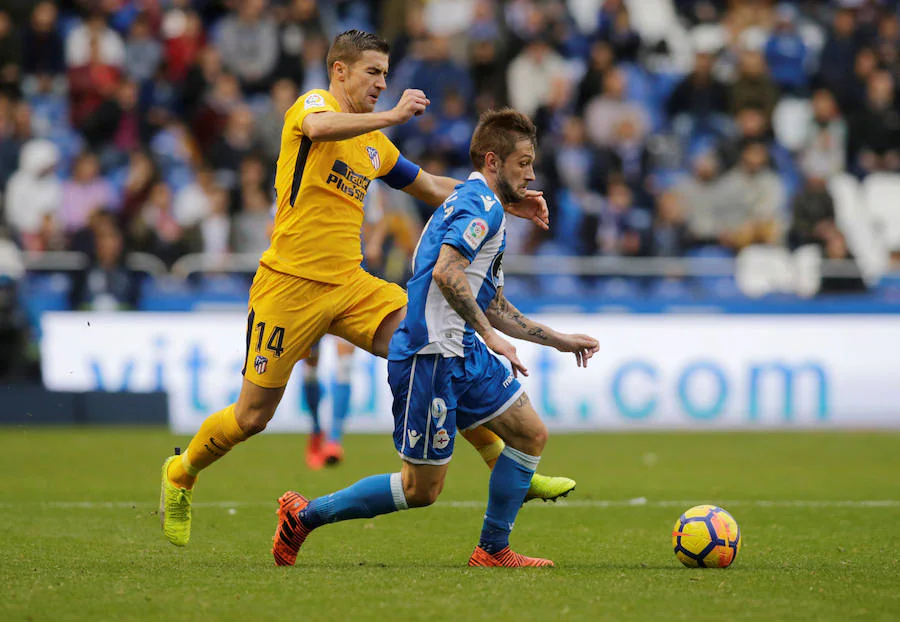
x,y
510,321
449,274
507,319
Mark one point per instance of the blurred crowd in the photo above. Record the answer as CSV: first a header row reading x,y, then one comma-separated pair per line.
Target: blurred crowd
x,y
154,125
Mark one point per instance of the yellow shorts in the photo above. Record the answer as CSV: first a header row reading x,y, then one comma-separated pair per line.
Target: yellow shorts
x,y
288,315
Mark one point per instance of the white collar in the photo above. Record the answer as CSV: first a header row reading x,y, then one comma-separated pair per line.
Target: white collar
x,y
477,175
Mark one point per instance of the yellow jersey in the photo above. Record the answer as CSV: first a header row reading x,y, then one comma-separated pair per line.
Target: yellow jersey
x,y
320,188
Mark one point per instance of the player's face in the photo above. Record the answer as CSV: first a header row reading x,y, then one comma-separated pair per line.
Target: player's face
x,y
366,80
516,172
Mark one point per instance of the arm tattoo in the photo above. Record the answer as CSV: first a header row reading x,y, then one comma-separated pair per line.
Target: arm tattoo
x,y
450,276
506,318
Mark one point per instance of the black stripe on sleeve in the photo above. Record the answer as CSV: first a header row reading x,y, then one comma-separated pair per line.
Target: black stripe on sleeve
x,y
302,154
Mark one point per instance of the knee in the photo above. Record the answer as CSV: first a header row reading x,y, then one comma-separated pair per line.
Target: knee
x,y
419,495
253,418
539,437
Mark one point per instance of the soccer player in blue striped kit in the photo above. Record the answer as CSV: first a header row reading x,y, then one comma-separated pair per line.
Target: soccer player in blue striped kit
x,y
441,375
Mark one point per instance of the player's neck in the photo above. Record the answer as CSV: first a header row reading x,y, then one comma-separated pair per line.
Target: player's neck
x,y
491,181
341,96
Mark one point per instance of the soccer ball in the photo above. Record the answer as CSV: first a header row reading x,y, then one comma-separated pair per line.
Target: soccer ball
x,y
706,536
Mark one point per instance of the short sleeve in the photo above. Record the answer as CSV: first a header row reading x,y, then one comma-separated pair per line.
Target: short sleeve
x,y
468,230
311,102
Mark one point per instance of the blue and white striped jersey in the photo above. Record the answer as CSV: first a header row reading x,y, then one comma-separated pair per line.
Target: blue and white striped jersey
x,y
472,221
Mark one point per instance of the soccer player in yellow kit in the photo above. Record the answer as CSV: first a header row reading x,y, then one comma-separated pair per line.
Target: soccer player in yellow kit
x,y
309,282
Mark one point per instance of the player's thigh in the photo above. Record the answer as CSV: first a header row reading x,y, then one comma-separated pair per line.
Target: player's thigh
x,y
366,302
488,388
424,407
287,316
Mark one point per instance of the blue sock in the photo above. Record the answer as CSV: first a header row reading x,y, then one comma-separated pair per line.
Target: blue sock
x,y
340,400
510,480
372,496
312,395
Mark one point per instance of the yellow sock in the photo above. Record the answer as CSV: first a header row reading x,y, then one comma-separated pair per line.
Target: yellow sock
x,y
488,444
215,438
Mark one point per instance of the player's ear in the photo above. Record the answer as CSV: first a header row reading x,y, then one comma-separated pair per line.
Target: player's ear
x,y
339,70
491,162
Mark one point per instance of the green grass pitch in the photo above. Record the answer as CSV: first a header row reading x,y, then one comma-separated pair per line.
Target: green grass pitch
x,y
819,513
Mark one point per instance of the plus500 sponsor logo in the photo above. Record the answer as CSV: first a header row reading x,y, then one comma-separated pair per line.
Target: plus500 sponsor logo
x,y
703,390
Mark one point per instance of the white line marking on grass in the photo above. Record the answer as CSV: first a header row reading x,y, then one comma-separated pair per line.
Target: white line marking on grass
x,y
562,504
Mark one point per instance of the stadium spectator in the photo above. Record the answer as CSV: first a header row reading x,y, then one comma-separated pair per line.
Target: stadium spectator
x,y
86,192
670,233
235,143
825,147
15,131
215,228
253,179
315,75
750,198
699,104
10,56
753,87
837,57
90,83
628,157
625,229
183,39
269,123
143,52
33,196
107,284
248,41
875,130
698,195
435,72
487,71
251,228
156,230
603,113
530,75
202,74
49,107
752,126
139,177
194,202
812,212
42,45
619,33
94,41
600,61
218,104
851,93
786,54
115,128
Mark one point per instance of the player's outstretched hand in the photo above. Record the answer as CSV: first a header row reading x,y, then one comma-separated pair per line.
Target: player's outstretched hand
x,y
533,207
583,346
412,103
504,348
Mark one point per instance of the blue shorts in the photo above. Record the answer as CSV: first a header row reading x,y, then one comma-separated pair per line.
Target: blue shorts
x,y
434,395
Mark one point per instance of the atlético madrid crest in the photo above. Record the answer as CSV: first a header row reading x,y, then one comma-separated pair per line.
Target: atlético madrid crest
x,y
373,155
260,364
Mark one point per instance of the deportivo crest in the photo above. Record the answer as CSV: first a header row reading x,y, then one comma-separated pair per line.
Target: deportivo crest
x,y
260,364
475,232
313,100
441,439
373,155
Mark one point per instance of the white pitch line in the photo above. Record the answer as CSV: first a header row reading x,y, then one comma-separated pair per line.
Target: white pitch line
x,y
562,504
